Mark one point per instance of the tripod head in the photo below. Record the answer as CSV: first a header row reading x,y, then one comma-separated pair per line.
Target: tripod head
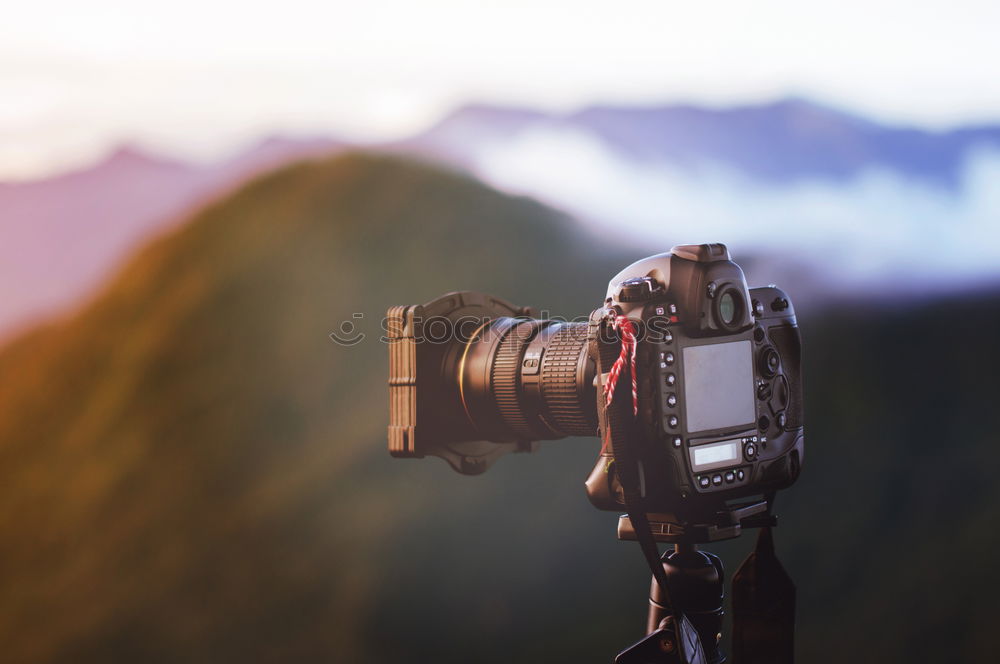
x,y
729,522
684,624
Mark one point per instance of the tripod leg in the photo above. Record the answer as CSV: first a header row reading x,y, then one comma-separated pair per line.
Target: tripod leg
x,y
668,644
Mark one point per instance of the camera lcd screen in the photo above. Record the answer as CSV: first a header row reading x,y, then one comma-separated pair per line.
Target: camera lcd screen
x,y
718,385
707,457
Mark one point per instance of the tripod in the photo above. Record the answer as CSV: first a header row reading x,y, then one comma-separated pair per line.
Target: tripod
x,y
763,597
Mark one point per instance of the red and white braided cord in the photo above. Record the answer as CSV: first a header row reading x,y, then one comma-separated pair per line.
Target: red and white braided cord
x,y
626,329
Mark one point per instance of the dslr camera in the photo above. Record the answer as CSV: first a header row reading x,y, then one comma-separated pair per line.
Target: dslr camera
x,y
714,401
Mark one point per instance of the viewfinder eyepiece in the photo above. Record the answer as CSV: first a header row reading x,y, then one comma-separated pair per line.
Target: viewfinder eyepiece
x,y
729,308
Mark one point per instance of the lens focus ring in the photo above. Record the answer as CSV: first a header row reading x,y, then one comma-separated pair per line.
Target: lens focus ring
x,y
561,375
504,375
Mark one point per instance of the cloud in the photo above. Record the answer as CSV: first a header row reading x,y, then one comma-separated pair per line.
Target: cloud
x,y
880,225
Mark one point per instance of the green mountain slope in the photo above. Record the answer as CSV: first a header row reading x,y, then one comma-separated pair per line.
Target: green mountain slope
x,y
191,470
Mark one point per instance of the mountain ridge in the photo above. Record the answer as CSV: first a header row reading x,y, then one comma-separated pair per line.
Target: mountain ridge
x,y
64,234
188,443
772,141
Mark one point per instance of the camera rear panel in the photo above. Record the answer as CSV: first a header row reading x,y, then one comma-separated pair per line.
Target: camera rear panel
x,y
725,410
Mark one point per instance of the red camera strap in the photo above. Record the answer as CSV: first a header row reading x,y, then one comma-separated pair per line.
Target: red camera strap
x,y
626,330
618,431
626,359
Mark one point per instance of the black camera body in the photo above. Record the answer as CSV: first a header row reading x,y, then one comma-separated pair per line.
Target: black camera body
x,y
718,377
719,384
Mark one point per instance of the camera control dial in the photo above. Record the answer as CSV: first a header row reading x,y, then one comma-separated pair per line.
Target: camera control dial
x,y
769,362
638,289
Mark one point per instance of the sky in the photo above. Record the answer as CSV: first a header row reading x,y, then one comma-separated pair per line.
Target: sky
x,y
197,79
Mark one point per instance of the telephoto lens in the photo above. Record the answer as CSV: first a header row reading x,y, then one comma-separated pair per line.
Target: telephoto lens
x,y
473,377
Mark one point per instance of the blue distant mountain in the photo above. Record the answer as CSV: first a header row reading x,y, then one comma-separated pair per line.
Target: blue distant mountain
x,y
785,141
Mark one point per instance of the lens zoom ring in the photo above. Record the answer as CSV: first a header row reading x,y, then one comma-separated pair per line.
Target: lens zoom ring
x,y
504,375
560,376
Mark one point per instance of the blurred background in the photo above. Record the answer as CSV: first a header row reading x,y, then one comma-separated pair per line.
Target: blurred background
x,y
195,195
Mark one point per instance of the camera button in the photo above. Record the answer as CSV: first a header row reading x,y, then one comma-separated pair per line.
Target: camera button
x,y
740,474
668,357
703,481
670,379
668,337
676,441
672,421
671,400
717,479
750,451
730,476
